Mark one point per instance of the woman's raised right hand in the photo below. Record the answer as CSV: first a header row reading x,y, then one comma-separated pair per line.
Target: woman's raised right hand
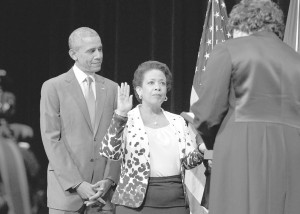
x,y
124,100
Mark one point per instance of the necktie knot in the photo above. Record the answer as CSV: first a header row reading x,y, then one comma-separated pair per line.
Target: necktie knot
x,y
89,80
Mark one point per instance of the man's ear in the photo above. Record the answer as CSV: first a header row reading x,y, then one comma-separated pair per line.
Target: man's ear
x,y
72,54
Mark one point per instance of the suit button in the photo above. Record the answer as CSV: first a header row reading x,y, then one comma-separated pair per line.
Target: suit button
x,y
92,160
95,139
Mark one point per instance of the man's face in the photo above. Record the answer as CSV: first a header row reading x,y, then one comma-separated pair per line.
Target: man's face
x,y
88,55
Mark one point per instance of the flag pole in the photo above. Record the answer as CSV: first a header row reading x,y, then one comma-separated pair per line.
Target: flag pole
x,y
213,22
297,28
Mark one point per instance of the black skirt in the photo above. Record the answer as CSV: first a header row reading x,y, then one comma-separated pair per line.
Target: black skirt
x,y
164,195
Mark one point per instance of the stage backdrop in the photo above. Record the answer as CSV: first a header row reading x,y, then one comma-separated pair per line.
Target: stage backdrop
x,y
34,47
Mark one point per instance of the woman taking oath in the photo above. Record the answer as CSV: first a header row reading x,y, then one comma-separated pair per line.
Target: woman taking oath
x,y
154,145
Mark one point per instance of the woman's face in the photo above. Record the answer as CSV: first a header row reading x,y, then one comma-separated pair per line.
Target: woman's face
x,y
154,88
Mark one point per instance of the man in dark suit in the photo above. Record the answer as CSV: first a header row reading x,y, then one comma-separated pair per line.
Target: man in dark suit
x,y
75,111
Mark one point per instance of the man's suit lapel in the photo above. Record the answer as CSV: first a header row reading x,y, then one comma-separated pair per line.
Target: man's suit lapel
x,y
75,91
100,99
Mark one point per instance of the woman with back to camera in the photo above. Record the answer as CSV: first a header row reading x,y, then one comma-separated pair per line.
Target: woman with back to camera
x,y
249,110
155,146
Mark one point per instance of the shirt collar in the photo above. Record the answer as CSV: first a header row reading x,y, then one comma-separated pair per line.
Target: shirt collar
x,y
80,75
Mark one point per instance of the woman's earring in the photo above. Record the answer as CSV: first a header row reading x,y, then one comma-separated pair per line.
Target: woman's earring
x,y
140,96
166,98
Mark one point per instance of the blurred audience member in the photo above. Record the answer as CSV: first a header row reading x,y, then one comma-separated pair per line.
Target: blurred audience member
x,y
22,135
3,198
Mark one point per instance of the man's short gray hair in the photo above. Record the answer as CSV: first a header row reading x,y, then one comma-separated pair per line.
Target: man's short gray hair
x,y
78,34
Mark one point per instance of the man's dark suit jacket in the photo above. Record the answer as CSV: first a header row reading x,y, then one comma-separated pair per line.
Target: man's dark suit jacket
x,y
70,141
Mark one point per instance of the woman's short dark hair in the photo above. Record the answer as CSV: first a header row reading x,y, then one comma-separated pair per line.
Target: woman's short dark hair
x,y
254,15
146,66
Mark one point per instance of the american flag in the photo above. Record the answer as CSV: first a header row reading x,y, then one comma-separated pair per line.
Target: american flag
x,y
292,29
214,32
